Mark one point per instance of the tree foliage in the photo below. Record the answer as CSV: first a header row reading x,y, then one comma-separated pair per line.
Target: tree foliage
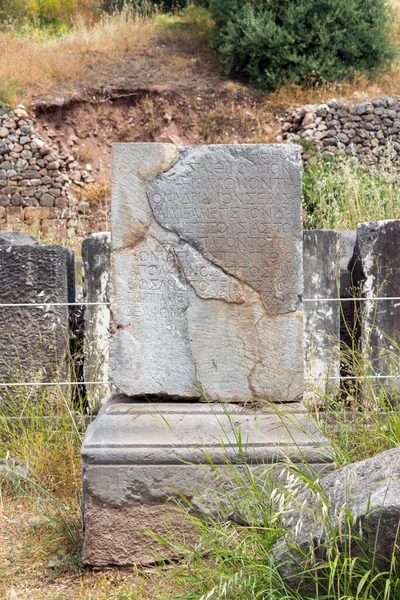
x,y
270,42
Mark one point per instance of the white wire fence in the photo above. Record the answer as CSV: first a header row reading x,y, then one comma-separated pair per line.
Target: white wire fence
x,y
107,383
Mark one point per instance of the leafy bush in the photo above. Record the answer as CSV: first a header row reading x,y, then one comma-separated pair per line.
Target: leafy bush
x,y
11,12
50,12
39,13
165,5
270,42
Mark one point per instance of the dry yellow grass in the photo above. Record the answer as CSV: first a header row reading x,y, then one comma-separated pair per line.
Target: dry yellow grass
x,y
31,65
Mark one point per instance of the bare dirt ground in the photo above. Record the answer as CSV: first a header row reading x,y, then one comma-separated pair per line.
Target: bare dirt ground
x,y
34,566
169,91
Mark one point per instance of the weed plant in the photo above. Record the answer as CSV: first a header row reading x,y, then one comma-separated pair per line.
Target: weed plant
x,y
340,192
40,439
243,546
240,556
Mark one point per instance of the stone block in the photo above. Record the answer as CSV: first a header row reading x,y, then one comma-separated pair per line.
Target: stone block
x,y
139,459
17,238
96,263
377,272
34,341
321,318
358,504
207,272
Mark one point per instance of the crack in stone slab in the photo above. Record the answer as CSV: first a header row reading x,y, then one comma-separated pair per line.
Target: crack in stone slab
x,y
208,280
132,169
181,277
192,201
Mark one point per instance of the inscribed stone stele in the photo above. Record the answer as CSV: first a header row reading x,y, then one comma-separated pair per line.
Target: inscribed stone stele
x,y
207,272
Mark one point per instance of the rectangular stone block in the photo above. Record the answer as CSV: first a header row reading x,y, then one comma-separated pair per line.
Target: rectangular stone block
x,y
376,265
140,459
321,317
34,341
207,272
96,264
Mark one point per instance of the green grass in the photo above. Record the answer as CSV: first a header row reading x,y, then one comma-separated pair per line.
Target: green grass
x,y
234,557
340,193
40,440
234,561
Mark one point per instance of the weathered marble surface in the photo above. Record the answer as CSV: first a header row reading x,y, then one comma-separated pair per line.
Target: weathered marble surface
x,y
376,267
321,319
96,263
140,459
207,272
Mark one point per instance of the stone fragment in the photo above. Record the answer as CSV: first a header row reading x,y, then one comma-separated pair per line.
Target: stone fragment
x,y
335,104
61,202
17,238
75,175
37,143
376,269
368,490
34,341
4,132
96,263
22,164
207,267
20,113
343,138
16,199
321,318
329,141
47,200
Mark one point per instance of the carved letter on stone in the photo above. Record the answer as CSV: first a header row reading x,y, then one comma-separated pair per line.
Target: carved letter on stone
x,y
207,268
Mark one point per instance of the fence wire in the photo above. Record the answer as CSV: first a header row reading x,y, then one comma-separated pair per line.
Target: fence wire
x,y
66,383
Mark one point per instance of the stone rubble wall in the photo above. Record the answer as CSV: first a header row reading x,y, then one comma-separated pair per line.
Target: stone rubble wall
x,y
38,180
363,129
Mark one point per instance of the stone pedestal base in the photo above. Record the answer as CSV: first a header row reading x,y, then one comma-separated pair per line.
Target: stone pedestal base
x,y
140,458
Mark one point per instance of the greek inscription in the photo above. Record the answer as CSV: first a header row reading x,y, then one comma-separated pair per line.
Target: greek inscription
x,y
237,211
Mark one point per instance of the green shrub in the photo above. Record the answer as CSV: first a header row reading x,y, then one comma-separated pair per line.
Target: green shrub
x,y
269,42
164,5
149,5
53,13
12,12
